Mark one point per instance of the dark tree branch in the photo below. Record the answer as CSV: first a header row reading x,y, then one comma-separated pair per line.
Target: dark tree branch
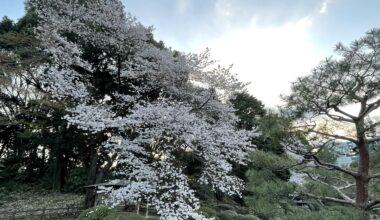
x,y
335,136
337,189
332,166
370,140
372,126
330,199
339,118
337,109
377,175
372,204
370,108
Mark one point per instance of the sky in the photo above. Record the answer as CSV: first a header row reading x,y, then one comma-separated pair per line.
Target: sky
x,y
269,42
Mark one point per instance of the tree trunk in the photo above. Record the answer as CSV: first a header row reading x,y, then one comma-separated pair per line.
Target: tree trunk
x,y
365,215
42,164
57,172
90,193
363,172
32,162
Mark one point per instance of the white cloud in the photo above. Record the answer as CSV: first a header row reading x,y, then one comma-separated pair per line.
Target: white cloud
x,y
324,5
223,8
270,57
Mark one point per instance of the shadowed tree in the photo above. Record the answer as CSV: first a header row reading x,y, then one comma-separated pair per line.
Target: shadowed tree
x,y
351,78
248,108
6,25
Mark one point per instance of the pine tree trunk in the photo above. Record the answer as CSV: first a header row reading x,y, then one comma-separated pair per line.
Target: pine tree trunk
x,y
363,172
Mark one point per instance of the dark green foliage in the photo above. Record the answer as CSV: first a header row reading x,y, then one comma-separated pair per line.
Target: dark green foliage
x,y
27,23
232,215
247,217
328,154
96,213
374,162
106,213
223,207
124,216
159,44
228,215
375,166
274,129
209,212
243,210
6,25
248,109
1,170
269,193
327,213
75,180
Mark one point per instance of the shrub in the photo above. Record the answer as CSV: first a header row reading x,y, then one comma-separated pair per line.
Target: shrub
x,y
209,212
224,207
327,213
232,215
123,216
228,215
76,180
242,210
247,217
96,213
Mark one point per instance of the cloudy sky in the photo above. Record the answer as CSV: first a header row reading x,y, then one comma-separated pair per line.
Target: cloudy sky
x,y
270,42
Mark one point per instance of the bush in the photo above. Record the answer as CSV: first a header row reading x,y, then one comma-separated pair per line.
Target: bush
x,y
224,207
232,215
247,217
228,215
209,212
76,180
242,210
327,213
123,216
96,213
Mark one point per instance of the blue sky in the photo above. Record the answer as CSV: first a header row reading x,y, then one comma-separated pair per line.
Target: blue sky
x,y
270,42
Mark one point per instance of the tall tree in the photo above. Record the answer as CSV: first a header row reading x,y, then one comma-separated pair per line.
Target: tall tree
x,y
351,79
140,101
249,109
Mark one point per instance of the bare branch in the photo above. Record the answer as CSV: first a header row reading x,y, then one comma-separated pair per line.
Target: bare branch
x,y
335,136
377,175
339,118
372,204
370,140
337,109
372,126
337,189
370,108
330,199
342,194
332,166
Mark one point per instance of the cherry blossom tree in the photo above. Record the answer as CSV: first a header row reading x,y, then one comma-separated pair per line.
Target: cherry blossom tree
x,y
161,103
